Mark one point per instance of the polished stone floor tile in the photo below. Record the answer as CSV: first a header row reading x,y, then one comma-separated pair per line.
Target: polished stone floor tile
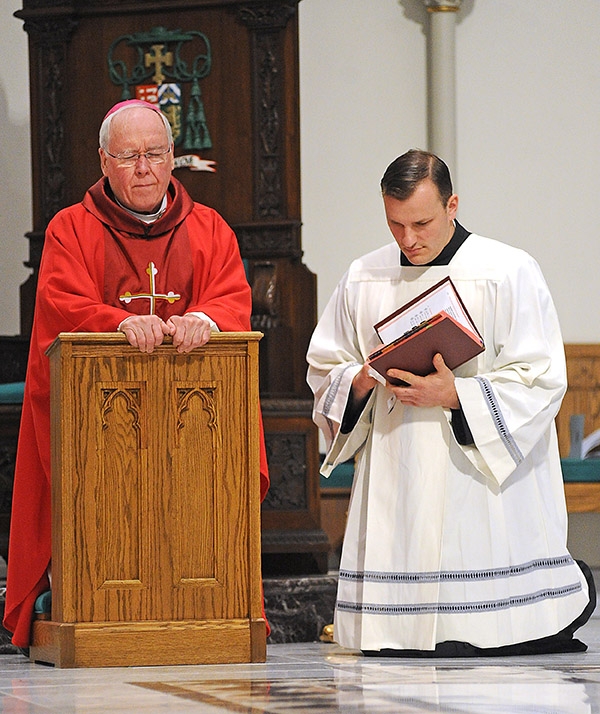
x,y
315,678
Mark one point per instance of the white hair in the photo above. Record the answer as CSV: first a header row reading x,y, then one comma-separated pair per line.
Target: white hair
x,y
105,127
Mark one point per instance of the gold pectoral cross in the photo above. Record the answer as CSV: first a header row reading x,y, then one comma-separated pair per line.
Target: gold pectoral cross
x,y
153,296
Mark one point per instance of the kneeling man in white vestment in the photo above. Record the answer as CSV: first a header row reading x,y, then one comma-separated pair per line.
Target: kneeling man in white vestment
x,y
456,537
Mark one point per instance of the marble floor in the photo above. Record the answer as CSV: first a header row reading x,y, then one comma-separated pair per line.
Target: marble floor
x,y
314,678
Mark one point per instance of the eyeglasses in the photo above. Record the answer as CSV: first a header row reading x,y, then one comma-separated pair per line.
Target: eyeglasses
x,y
152,157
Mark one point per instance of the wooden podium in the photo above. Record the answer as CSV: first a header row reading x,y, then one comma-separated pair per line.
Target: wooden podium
x,y
155,498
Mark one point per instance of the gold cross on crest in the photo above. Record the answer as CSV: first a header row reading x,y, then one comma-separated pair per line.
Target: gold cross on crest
x,y
152,295
158,58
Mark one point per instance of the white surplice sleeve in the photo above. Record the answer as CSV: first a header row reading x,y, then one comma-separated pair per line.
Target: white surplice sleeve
x,y
511,405
334,358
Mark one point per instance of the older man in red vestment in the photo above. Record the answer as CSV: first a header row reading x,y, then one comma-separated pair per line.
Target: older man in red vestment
x,y
136,255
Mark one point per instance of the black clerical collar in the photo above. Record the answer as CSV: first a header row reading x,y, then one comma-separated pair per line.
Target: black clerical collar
x,y
449,251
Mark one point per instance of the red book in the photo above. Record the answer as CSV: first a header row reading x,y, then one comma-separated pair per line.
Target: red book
x,y
449,331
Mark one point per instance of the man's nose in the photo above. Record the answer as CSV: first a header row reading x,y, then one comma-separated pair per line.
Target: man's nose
x,y
409,238
142,165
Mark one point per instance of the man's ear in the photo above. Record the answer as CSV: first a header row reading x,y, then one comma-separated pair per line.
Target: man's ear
x,y
103,160
452,206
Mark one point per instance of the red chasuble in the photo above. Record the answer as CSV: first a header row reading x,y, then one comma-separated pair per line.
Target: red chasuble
x,y
93,272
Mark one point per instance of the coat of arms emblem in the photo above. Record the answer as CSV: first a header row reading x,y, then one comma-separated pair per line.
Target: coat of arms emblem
x,y
154,66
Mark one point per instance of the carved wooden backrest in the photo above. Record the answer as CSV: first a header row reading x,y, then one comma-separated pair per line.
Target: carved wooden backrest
x,y
583,392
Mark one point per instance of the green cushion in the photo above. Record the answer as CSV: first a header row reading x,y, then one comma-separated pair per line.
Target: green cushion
x,y
43,603
580,469
573,470
341,476
12,393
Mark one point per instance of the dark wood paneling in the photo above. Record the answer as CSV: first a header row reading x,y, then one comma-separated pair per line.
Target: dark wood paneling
x,y
251,103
